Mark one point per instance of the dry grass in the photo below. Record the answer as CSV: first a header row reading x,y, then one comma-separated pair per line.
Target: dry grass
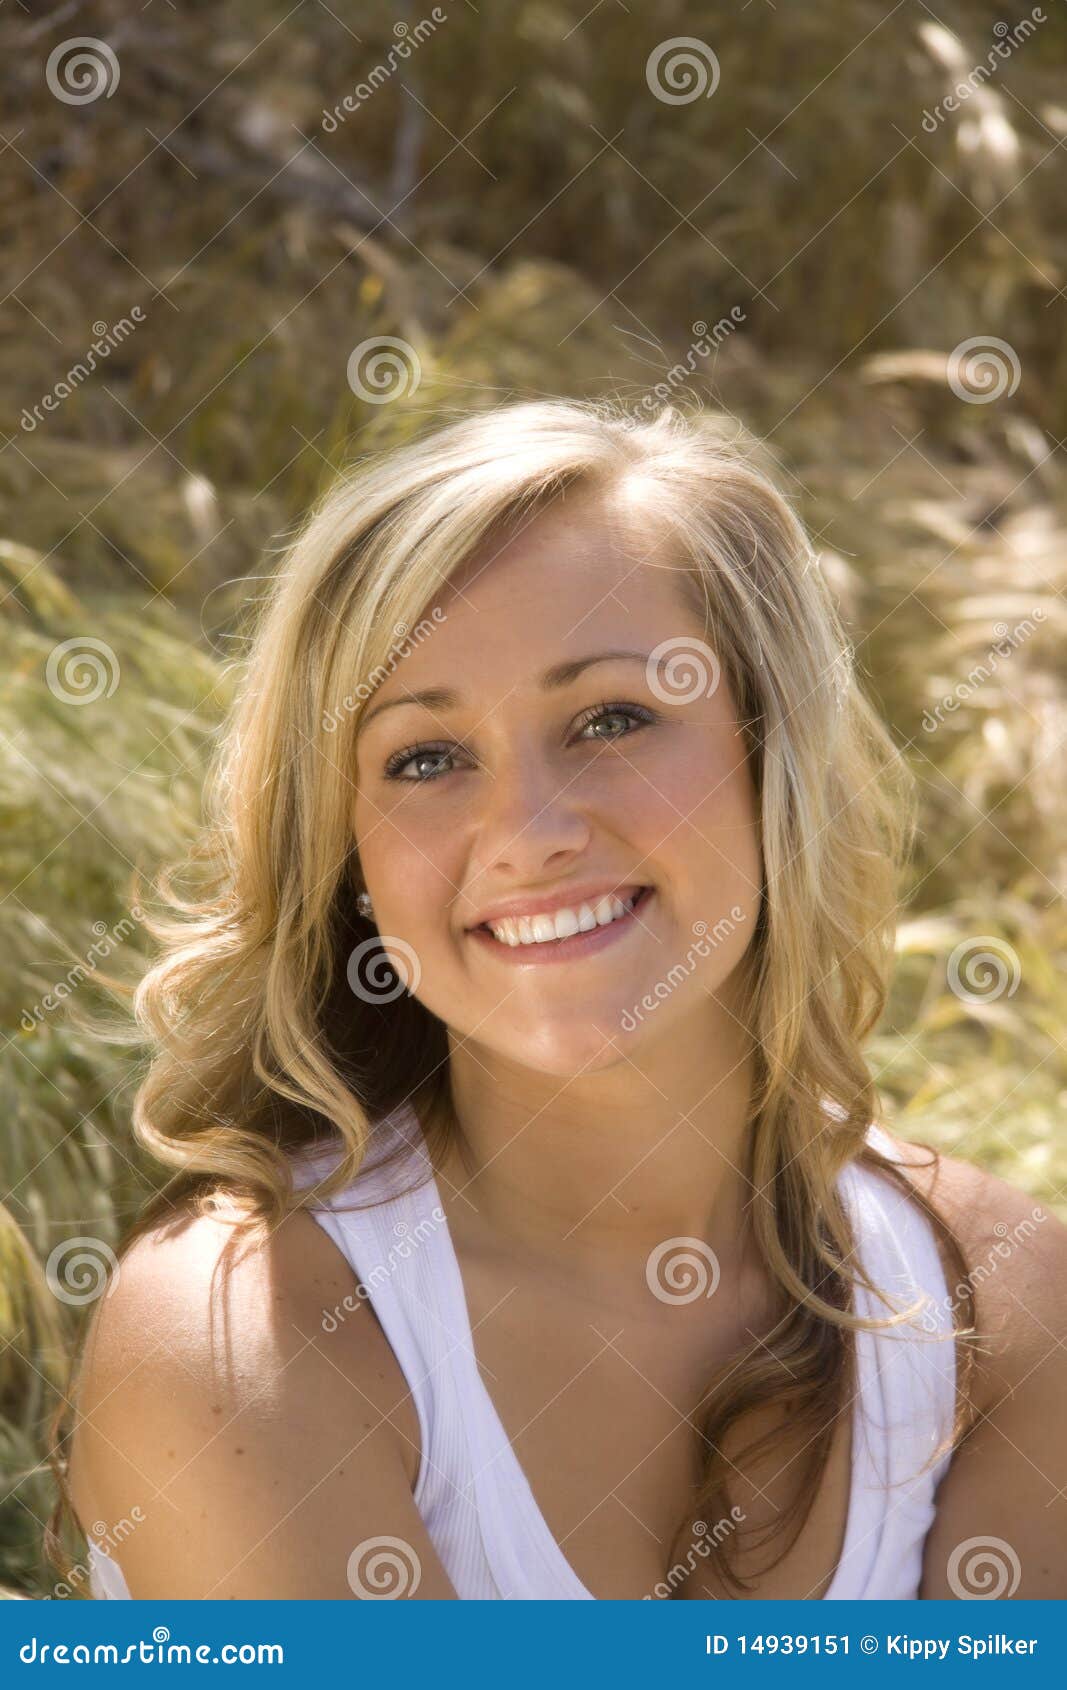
x,y
567,245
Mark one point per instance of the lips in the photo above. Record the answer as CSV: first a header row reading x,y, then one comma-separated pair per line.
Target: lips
x,y
524,944
568,898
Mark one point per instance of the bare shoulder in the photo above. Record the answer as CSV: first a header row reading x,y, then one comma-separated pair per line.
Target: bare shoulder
x,y
1015,1251
1000,1525
218,1295
239,1402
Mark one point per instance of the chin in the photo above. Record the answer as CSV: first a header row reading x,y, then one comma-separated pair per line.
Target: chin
x,y
589,1047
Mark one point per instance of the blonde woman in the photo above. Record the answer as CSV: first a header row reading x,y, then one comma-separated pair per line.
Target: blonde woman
x,y
529,1231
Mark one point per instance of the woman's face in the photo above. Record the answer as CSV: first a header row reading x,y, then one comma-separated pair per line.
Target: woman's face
x,y
546,776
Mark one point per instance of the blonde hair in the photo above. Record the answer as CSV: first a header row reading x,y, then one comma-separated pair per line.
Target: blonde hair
x,y
260,1047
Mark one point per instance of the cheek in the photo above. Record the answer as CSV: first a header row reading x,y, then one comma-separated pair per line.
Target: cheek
x,y
707,786
722,871
406,864
704,809
728,815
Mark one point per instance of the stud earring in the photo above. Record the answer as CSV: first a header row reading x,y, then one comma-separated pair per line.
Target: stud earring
x,y
364,905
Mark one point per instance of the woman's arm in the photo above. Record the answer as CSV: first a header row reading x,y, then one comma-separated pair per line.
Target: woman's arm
x,y
1001,1521
253,1451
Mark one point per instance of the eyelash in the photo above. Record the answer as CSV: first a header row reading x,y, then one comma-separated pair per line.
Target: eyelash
x,y
597,713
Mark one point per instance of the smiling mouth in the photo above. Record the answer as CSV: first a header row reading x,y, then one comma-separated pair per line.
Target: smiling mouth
x,y
563,930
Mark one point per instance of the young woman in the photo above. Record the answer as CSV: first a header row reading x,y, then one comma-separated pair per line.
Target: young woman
x,y
529,1231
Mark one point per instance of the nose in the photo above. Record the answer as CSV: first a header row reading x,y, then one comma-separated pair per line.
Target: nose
x,y
531,823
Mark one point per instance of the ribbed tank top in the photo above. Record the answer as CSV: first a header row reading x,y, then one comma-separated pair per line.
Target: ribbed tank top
x,y
471,1491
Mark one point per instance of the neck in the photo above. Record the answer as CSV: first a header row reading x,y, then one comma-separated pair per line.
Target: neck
x,y
592,1172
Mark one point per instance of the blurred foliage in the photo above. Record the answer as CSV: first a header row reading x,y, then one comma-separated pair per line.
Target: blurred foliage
x,y
514,202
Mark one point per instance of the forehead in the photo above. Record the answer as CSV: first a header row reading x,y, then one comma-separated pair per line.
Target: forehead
x,y
591,564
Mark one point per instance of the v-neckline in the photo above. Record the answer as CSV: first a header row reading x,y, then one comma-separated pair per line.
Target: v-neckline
x,y
503,1452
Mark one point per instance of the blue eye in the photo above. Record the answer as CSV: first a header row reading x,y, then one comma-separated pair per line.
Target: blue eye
x,y
604,713
415,754
398,762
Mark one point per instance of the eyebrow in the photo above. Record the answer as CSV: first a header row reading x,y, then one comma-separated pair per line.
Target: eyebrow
x,y
559,675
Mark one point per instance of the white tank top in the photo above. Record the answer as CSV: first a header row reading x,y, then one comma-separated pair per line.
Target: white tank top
x,y
471,1491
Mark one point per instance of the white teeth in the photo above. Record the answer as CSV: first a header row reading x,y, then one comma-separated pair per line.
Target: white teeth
x,y
586,919
562,924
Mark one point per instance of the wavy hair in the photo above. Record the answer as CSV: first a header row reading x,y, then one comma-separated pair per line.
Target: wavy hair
x,y
259,1046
